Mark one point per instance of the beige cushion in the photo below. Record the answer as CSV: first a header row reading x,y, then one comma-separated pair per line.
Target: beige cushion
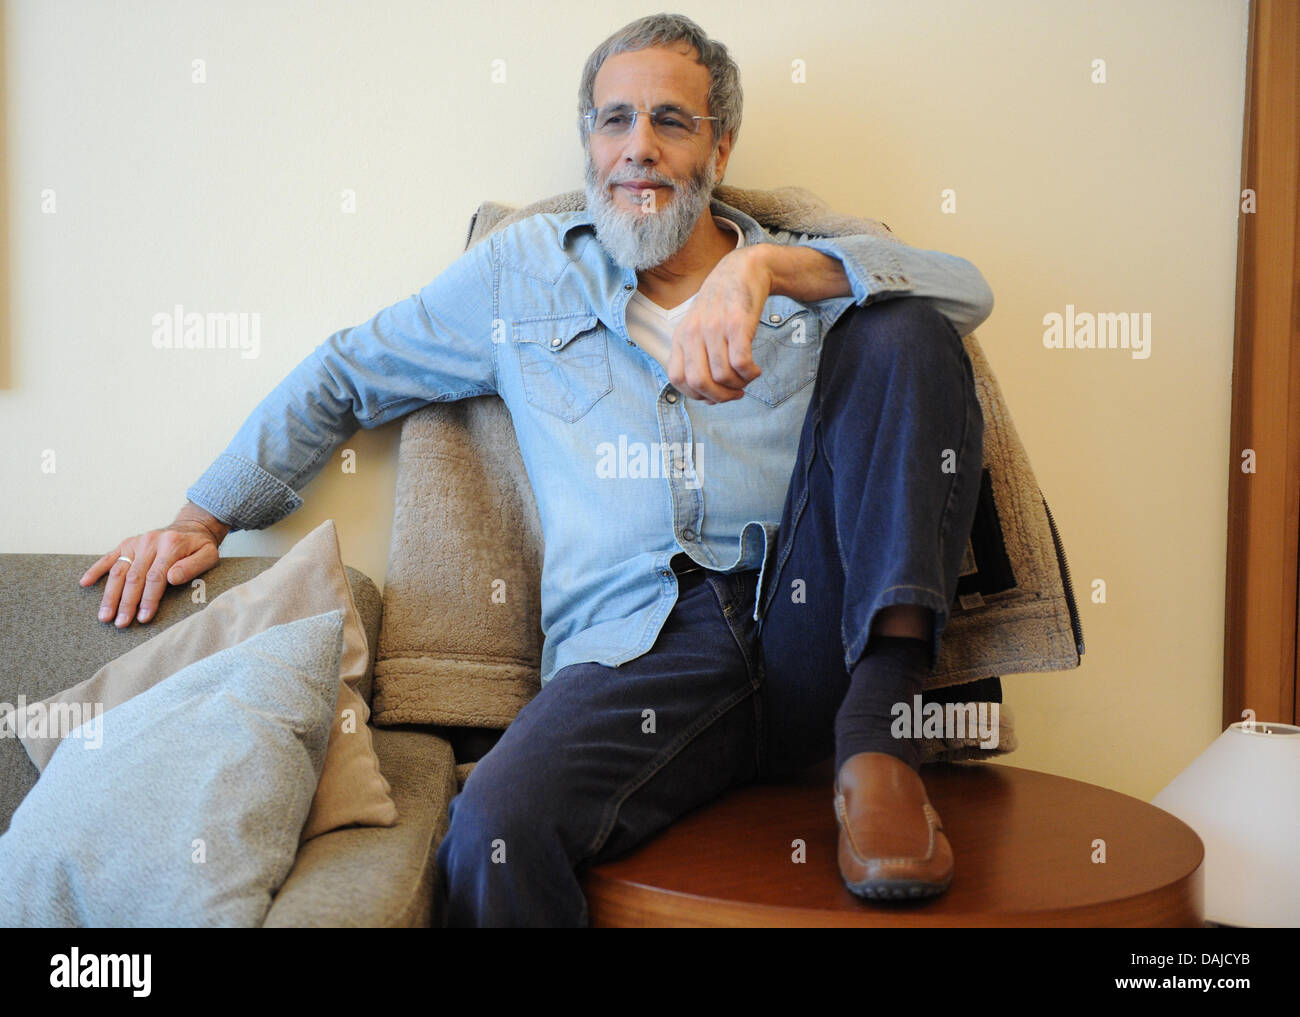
x,y
308,581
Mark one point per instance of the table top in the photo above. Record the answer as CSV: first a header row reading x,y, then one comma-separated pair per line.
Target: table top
x,y
1030,849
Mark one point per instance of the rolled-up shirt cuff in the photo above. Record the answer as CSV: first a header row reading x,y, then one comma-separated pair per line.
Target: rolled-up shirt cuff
x,y
242,494
871,264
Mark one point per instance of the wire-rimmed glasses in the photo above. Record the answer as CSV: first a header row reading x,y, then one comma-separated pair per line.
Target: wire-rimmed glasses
x,y
670,123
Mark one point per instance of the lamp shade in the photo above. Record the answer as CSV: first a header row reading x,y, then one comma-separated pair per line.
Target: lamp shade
x,y
1242,797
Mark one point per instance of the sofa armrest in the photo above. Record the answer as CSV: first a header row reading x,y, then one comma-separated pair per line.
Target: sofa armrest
x,y
53,639
378,876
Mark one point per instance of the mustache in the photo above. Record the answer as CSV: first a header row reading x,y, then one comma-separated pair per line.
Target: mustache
x,y
627,176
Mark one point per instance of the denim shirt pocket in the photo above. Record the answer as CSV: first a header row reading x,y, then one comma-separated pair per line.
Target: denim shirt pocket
x,y
787,347
564,362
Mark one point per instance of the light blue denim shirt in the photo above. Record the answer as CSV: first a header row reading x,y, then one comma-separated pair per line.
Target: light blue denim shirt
x,y
626,471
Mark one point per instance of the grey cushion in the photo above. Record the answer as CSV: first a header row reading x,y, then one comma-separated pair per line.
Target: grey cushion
x,y
226,752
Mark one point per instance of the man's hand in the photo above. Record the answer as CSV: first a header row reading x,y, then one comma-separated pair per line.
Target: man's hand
x,y
173,555
710,357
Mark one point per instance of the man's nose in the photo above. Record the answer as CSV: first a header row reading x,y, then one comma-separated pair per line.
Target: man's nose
x,y
642,144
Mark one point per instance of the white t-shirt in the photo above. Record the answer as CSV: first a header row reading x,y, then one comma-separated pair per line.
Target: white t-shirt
x,y
651,326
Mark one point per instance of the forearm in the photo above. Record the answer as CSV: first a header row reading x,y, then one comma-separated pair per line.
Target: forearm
x,y
802,273
872,268
280,447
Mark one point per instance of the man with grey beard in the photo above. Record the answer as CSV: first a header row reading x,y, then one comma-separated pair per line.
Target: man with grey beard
x,y
703,627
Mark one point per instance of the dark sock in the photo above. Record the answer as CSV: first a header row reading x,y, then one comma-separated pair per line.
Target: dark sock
x,y
890,671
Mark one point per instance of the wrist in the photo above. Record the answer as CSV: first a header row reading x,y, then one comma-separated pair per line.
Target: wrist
x,y
191,513
760,258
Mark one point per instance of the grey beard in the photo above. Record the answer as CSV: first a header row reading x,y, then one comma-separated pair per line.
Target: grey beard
x,y
640,240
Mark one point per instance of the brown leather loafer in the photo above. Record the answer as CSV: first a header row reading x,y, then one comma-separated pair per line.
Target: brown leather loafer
x,y
892,843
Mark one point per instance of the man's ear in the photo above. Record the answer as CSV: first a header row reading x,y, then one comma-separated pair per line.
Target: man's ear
x,y
723,155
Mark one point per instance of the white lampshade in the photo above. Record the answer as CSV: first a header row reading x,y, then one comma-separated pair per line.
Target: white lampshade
x,y
1242,796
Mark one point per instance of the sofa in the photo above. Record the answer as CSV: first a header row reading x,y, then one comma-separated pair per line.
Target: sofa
x,y
442,684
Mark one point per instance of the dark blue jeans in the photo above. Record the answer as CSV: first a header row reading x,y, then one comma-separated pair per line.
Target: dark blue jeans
x,y
878,512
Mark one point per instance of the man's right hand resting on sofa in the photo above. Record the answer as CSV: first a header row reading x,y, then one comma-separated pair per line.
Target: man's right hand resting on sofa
x,y
174,555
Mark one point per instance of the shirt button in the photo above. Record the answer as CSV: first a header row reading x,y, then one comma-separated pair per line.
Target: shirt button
x,y
665,572
671,397
556,342
627,286
775,319
688,534
680,465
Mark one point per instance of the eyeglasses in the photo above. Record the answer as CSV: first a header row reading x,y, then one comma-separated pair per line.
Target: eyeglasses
x,y
670,123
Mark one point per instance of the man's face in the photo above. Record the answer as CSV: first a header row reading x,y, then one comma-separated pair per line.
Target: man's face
x,y
640,231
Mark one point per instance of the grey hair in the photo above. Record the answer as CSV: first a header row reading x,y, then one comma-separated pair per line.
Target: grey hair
x,y
725,96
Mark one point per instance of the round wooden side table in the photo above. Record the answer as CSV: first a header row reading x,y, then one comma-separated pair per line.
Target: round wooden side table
x,y
1028,848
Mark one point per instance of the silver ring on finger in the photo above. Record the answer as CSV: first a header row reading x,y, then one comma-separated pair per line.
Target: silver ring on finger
x,y
125,559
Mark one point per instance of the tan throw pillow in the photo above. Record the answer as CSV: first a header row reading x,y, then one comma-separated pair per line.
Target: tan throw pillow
x,y
308,581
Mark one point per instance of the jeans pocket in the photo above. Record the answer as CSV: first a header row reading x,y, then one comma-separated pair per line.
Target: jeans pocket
x,y
564,363
787,351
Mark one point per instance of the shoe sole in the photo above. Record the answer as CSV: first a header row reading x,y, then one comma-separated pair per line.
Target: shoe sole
x,y
897,889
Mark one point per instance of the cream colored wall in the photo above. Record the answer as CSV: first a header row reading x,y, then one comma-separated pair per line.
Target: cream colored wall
x,y
225,195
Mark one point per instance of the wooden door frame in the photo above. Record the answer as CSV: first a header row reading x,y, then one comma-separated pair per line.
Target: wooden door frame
x,y
1261,634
